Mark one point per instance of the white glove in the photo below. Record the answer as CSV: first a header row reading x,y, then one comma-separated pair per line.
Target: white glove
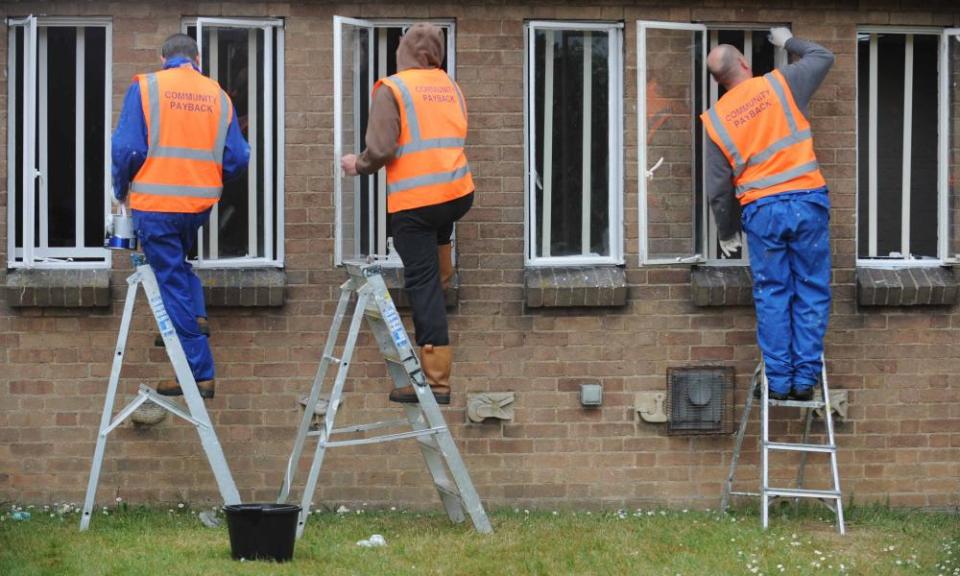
x,y
731,245
779,36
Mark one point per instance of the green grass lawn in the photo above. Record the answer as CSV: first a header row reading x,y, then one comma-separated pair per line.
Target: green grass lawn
x,y
668,542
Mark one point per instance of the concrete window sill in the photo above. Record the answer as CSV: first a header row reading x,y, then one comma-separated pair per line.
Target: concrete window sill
x,y
243,287
907,287
575,286
57,288
721,286
393,278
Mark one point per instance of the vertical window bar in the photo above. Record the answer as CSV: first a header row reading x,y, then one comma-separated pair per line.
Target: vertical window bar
x,y
12,143
748,47
267,151
213,225
530,157
585,211
547,145
379,225
80,135
279,90
252,129
200,243
872,153
907,142
107,111
28,182
945,220
712,252
43,210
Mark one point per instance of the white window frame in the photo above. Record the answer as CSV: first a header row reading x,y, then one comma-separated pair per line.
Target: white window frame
x,y
943,122
780,59
614,31
44,257
273,251
377,235
644,163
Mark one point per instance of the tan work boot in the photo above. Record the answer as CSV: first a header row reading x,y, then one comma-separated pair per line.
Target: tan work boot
x,y
172,388
435,361
445,254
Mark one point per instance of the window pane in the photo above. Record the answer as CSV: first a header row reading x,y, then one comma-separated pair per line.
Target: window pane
x,y
93,142
863,149
953,173
674,81
355,42
923,163
61,137
572,143
18,140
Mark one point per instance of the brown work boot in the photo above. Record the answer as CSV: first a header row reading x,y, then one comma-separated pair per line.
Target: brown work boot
x,y
435,361
201,322
445,254
172,388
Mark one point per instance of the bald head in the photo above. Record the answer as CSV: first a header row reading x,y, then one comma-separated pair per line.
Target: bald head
x,y
728,66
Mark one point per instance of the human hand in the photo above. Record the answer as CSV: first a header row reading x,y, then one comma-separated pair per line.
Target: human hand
x,y
778,36
731,245
348,164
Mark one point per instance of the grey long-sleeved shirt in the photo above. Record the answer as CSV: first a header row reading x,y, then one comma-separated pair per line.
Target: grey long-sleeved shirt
x,y
803,77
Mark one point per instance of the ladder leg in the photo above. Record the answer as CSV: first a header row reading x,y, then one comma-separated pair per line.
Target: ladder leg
x,y
434,459
329,419
764,453
133,283
828,421
735,459
191,394
315,390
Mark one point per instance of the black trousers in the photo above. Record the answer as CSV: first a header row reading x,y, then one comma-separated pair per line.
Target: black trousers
x,y
416,235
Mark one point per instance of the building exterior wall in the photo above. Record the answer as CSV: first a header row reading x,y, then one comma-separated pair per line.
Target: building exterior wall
x,y
901,366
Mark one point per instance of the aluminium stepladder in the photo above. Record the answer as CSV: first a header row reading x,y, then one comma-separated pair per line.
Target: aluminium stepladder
x,y
832,498
424,419
195,413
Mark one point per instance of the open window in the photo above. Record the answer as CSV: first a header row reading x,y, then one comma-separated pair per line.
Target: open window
x,y
672,92
246,57
58,141
364,51
573,105
907,180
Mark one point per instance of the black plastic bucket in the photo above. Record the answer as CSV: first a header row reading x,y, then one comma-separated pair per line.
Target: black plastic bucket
x,y
262,531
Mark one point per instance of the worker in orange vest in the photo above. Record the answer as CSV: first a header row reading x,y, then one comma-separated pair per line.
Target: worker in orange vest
x,y
176,141
417,130
761,165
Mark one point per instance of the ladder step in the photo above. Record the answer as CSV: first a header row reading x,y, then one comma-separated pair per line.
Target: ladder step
x,y
787,447
331,358
744,493
802,493
797,403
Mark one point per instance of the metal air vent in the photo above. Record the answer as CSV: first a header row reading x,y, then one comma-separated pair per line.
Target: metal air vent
x,y
700,400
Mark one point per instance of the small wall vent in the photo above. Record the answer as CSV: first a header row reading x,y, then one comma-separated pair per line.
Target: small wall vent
x,y
700,400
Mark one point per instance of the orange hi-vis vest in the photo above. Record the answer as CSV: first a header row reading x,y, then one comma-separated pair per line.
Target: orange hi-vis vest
x,y
187,116
429,166
765,137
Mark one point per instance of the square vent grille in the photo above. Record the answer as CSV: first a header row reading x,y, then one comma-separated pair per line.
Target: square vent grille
x,y
700,400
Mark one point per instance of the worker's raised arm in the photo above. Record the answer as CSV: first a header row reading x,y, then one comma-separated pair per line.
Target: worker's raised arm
x,y
806,74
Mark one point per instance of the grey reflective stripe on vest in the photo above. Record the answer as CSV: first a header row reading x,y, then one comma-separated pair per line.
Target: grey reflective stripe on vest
x,y
412,123
171,190
727,141
184,153
222,125
779,145
463,106
782,96
429,144
780,178
428,180
153,100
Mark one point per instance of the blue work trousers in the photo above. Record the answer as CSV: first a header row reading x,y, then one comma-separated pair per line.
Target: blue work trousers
x,y
789,239
166,238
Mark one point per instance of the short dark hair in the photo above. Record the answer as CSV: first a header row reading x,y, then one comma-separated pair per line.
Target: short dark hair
x,y
179,45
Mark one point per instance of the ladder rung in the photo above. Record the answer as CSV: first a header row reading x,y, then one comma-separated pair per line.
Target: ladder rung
x,y
331,358
744,493
825,448
802,493
797,403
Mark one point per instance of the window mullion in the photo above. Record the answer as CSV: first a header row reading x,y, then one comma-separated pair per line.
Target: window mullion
x,y
80,133
213,225
872,152
585,209
378,224
267,151
907,150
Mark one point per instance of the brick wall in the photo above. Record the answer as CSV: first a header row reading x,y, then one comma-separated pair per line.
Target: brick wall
x,y
901,367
